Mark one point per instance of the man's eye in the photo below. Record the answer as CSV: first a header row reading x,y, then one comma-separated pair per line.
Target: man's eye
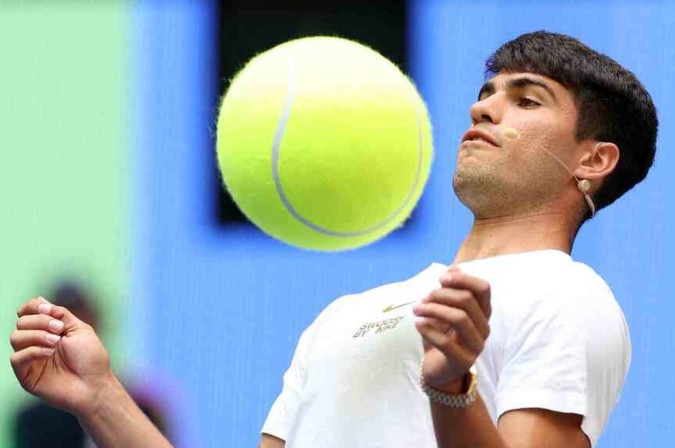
x,y
527,102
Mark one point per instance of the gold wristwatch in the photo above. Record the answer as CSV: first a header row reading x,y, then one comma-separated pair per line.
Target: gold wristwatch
x,y
461,401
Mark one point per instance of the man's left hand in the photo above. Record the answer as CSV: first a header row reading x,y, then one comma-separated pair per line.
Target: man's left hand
x,y
453,321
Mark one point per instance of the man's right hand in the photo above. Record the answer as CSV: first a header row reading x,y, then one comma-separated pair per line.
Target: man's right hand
x,y
59,358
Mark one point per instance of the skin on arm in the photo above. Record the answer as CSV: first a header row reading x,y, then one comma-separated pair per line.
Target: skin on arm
x,y
454,327
61,360
522,428
541,427
269,441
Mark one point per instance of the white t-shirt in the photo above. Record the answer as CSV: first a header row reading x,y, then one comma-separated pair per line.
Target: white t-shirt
x,y
558,341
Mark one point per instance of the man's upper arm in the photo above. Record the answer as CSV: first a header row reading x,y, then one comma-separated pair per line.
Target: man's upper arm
x,y
533,428
268,441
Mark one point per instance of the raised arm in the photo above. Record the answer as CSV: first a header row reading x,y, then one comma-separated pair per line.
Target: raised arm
x,y
61,360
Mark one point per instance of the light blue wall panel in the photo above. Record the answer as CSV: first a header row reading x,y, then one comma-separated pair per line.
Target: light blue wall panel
x,y
219,310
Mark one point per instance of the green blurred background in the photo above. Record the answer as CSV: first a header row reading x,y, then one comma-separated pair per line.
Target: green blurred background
x,y
63,176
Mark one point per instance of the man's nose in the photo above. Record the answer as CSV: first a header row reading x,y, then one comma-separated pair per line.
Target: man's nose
x,y
487,110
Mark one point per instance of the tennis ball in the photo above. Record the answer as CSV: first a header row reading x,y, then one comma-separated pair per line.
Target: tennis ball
x,y
323,143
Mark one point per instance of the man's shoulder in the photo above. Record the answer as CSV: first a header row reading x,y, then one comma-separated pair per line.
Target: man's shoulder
x,y
585,276
584,289
550,283
554,274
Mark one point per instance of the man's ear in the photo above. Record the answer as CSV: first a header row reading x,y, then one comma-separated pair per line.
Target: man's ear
x,y
598,162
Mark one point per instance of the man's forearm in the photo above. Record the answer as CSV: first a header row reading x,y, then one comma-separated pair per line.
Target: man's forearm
x,y
466,428
116,421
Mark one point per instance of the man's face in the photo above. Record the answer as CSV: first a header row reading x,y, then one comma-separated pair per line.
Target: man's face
x,y
514,176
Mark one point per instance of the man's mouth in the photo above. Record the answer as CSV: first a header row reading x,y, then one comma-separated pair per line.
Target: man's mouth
x,y
478,135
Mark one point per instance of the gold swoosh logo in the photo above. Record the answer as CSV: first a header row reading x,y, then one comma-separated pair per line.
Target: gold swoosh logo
x,y
392,307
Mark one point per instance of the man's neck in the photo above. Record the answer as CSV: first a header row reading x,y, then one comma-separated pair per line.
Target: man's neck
x,y
511,235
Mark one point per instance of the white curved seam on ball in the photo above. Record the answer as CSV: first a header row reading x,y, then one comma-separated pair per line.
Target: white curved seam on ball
x,y
276,147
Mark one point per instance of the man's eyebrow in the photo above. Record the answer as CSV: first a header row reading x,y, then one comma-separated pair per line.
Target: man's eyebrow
x,y
521,83
518,83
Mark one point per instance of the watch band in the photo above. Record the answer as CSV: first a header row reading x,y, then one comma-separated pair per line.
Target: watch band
x,y
461,401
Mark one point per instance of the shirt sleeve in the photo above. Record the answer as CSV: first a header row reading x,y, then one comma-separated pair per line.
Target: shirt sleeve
x,y
284,410
282,413
544,364
568,356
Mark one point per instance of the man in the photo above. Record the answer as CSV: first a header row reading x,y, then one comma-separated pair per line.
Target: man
x,y
514,345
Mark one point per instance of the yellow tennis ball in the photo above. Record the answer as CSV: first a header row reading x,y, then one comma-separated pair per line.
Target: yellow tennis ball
x,y
323,143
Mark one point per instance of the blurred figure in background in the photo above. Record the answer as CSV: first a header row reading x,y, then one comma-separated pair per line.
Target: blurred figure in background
x,y
39,425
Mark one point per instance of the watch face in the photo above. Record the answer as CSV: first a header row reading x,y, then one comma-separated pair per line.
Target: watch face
x,y
473,385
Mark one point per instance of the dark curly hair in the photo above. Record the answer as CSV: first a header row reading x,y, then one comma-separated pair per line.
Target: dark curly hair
x,y
613,106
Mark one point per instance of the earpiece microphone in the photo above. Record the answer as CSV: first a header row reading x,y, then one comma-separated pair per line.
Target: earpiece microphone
x,y
511,133
584,185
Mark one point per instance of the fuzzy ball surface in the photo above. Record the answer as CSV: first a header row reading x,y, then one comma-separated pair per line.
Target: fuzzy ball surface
x,y
324,144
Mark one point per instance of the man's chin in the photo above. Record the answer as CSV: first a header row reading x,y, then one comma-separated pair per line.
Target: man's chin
x,y
469,183
481,195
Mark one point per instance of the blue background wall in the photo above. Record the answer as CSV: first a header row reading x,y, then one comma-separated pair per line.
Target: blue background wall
x,y
217,311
